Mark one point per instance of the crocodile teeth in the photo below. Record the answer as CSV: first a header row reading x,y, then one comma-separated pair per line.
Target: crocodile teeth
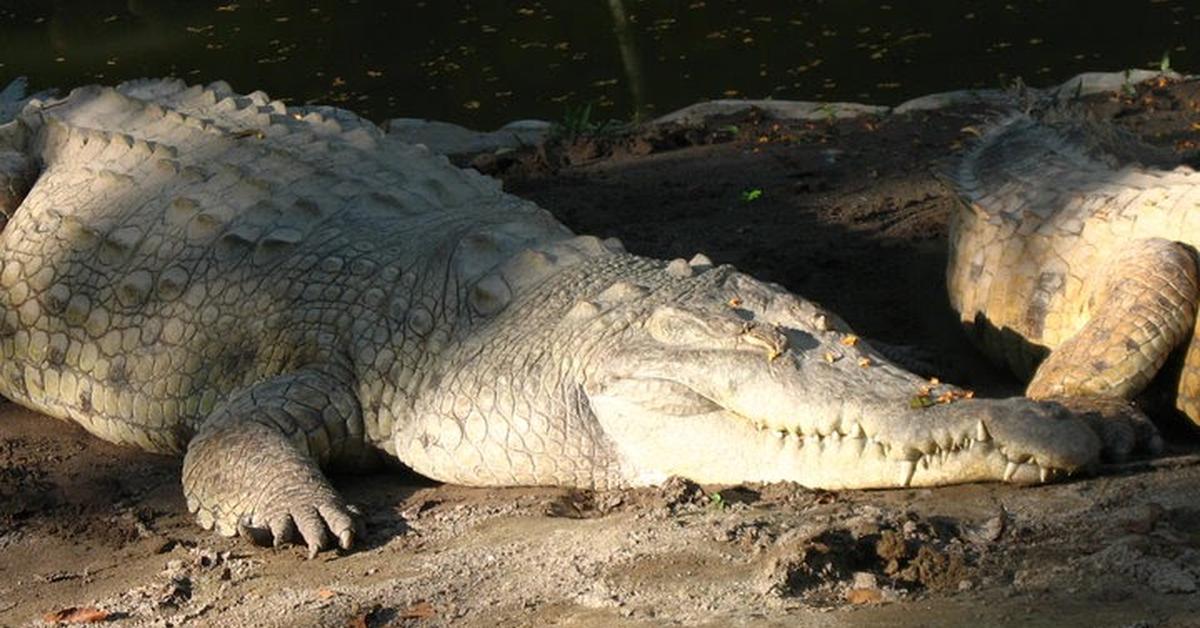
x,y
1045,474
907,469
1010,470
981,432
855,431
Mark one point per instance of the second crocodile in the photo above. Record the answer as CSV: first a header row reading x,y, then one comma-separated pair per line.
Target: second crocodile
x,y
1073,259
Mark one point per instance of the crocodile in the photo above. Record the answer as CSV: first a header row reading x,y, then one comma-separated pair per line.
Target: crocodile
x,y
274,292
1072,259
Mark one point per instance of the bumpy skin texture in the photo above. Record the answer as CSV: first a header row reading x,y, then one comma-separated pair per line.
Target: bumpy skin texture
x,y
1073,263
272,291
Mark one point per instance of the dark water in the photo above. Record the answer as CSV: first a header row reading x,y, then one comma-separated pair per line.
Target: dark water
x,y
483,63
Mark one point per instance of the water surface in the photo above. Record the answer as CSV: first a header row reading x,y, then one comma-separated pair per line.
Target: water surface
x,y
483,63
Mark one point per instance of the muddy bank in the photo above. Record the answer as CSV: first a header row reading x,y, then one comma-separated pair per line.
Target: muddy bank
x,y
843,211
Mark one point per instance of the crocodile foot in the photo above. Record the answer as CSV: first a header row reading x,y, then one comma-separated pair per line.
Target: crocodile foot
x,y
247,478
307,514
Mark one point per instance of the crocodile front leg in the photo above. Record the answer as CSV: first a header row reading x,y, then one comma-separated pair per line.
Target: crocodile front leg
x,y
254,465
1143,307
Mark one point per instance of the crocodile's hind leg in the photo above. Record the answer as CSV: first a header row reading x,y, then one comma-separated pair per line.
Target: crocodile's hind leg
x,y
1143,306
254,465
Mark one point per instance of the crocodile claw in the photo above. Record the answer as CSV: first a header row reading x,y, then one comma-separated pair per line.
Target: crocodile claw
x,y
317,528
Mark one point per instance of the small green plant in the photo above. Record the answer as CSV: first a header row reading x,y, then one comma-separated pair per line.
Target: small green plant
x,y
829,111
577,122
1164,64
751,195
1127,87
717,502
732,129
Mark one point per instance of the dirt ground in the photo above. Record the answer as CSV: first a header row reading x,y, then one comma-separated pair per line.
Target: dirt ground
x,y
843,212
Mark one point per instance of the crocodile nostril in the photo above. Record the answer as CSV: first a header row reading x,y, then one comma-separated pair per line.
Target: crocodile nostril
x,y
767,337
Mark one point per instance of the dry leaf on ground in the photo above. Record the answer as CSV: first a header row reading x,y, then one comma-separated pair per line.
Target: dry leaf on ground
x,y
420,610
76,615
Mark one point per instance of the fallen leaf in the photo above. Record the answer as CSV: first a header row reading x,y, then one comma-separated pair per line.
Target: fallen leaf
x,y
325,594
420,610
920,401
358,621
864,596
849,340
77,615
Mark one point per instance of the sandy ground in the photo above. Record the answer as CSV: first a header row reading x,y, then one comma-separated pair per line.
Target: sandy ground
x,y
848,215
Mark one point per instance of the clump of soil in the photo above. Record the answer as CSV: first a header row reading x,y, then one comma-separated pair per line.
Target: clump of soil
x,y
872,564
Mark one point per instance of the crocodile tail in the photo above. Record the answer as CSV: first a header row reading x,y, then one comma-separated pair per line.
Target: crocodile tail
x,y
961,172
1101,140
1022,156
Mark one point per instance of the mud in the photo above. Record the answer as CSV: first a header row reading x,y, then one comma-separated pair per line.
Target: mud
x,y
845,212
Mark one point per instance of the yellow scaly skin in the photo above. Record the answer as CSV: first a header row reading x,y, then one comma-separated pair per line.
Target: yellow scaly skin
x,y
1076,267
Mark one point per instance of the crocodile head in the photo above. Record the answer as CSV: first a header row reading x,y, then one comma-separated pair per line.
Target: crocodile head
x,y
761,385
620,370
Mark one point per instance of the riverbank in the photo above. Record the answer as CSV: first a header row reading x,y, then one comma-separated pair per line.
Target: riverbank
x,y
841,209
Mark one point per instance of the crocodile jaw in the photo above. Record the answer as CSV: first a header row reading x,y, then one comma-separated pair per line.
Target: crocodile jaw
x,y
983,440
